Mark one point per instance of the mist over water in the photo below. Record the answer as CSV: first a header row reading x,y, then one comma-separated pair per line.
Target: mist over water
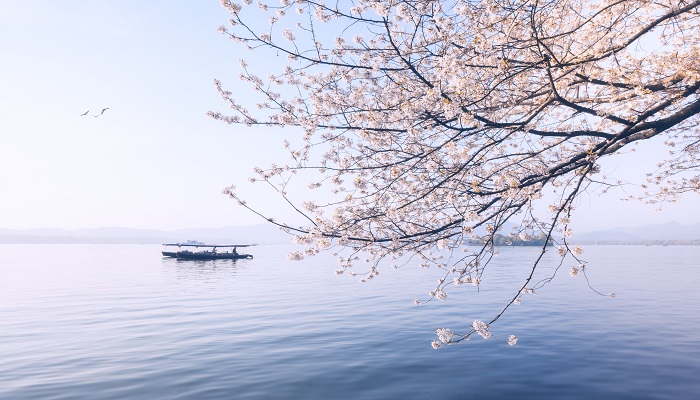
x,y
119,321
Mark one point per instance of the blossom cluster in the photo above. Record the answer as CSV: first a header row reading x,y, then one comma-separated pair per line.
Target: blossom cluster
x,y
431,124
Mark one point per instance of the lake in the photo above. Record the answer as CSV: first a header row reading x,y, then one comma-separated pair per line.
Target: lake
x,y
121,322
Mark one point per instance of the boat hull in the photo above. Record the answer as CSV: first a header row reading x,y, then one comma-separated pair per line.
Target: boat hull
x,y
184,255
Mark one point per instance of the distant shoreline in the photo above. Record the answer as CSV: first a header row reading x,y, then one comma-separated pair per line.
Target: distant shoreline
x,y
261,234
150,240
75,240
668,234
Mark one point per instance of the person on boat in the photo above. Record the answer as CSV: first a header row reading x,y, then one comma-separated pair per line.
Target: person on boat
x,y
234,251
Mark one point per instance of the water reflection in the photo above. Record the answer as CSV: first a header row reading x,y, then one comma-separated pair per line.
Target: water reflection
x,y
203,269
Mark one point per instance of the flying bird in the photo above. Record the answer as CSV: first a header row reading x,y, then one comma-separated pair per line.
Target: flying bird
x,y
101,112
85,113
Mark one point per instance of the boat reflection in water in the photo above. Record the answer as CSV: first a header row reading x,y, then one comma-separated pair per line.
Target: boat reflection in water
x,y
209,252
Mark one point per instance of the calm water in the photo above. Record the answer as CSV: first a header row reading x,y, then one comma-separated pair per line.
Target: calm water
x,y
120,322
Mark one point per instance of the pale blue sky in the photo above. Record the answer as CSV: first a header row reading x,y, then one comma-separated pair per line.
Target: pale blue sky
x,y
153,160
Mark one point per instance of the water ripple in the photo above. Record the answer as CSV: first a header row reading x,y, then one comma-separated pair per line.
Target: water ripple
x,y
118,321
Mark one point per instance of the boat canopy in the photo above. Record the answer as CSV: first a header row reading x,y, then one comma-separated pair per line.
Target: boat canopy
x,y
206,245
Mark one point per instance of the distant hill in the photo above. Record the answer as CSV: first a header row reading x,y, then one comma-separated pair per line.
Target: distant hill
x,y
668,232
258,234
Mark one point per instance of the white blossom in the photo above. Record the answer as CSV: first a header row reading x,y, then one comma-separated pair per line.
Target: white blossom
x,y
481,328
288,34
445,335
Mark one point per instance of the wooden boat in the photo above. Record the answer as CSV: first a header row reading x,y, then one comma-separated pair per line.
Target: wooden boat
x,y
211,251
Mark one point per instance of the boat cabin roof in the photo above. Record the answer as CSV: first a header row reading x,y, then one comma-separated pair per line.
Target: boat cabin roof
x,y
206,245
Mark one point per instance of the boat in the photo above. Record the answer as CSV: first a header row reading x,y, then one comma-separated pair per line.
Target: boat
x,y
210,252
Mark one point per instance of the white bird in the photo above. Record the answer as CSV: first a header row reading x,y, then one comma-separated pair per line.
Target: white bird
x,y
102,112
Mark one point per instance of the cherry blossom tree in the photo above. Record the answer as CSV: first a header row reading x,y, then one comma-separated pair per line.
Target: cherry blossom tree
x,y
433,123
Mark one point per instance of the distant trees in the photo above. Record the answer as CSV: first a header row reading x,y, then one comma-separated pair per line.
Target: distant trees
x,y
436,122
500,240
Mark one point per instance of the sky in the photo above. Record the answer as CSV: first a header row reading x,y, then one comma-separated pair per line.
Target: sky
x,y
154,160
